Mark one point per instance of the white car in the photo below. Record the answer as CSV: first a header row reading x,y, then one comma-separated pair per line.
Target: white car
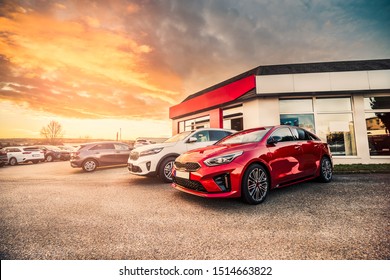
x,y
142,142
157,159
18,155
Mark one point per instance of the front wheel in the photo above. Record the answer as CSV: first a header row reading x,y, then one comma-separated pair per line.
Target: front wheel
x,y
255,184
326,170
89,165
13,161
165,170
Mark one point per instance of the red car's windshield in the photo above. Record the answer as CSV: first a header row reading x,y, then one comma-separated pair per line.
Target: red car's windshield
x,y
247,136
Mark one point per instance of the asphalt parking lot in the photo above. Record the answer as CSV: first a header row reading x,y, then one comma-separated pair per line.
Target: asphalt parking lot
x,y
52,211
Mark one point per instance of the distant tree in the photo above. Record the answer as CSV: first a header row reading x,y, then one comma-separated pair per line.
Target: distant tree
x,y
380,103
52,132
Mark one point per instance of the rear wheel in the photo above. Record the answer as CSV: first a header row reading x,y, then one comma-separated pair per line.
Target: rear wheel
x,y
255,184
165,170
89,165
13,161
49,158
326,170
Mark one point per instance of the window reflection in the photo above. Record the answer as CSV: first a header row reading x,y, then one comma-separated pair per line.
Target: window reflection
x,y
338,131
301,120
378,125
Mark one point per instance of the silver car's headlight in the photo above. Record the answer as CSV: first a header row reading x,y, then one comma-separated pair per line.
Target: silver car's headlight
x,y
224,159
150,152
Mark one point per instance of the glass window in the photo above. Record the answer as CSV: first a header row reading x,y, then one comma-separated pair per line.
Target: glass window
x,y
235,124
378,125
216,135
333,104
246,136
193,124
181,127
295,105
233,118
300,120
121,147
377,103
300,134
202,136
104,146
284,133
338,131
178,137
331,119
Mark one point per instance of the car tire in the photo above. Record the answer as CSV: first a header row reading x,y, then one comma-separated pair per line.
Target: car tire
x,y
35,161
13,161
326,170
49,158
165,170
89,165
255,184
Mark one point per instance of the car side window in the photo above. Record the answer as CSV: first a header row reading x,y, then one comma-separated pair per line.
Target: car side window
x,y
284,133
202,136
300,134
104,146
121,147
216,135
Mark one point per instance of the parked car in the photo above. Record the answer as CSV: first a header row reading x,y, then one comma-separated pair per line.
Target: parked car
x,y
142,142
16,155
3,157
251,162
67,148
157,159
53,153
89,156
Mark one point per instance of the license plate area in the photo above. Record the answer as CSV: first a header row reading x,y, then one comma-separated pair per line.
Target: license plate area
x,y
182,174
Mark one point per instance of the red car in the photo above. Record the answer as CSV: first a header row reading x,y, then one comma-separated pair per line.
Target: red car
x,y
249,163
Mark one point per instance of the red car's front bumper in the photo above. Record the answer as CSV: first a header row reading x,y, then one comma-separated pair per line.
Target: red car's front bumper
x,y
213,182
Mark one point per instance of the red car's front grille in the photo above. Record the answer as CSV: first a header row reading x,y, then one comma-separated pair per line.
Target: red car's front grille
x,y
187,166
189,184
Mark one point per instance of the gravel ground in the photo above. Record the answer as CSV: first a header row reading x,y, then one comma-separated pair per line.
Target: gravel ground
x,y
52,211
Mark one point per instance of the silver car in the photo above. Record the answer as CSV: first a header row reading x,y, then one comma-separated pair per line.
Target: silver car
x,y
89,156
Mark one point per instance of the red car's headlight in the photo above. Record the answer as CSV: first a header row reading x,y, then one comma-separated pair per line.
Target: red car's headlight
x,y
223,159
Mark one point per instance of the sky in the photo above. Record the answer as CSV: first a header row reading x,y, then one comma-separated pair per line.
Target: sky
x,y
103,67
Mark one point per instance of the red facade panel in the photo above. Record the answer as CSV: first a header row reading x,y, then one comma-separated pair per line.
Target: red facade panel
x,y
214,97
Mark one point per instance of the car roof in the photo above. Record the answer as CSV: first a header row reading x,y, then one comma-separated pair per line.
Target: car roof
x,y
17,147
212,128
103,142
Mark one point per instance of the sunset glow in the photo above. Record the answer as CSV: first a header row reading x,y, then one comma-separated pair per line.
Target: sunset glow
x,y
97,67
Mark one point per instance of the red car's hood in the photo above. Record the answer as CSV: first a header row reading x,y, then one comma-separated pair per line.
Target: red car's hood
x,y
213,151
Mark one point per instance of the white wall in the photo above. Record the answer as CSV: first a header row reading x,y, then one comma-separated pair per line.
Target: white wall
x,y
328,81
261,112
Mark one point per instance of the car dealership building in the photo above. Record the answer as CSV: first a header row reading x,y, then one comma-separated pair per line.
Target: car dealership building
x,y
346,103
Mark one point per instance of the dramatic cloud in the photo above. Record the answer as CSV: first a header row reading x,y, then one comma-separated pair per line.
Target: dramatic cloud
x,y
135,58
74,69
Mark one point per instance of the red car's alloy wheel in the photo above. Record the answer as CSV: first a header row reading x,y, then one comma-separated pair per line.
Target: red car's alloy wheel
x,y
255,185
326,171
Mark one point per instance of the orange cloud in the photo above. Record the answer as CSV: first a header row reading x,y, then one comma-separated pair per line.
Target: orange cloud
x,y
76,69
